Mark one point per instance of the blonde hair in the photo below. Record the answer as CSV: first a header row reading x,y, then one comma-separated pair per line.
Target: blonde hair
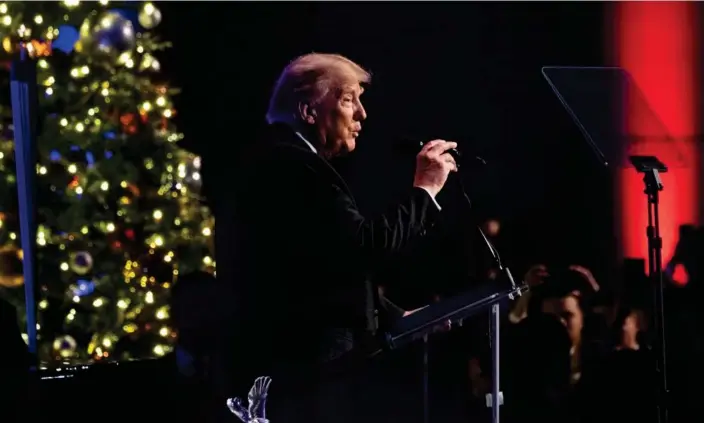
x,y
310,78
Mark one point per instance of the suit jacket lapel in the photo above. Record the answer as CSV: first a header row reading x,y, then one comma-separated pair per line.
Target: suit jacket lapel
x,y
288,139
336,176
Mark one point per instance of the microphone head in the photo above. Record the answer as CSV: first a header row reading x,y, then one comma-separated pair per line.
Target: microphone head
x,y
408,146
455,153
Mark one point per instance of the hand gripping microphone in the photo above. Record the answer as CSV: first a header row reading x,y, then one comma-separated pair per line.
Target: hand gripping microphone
x,y
460,159
455,153
415,146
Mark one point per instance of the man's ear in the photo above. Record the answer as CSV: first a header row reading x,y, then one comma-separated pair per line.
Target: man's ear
x,y
307,113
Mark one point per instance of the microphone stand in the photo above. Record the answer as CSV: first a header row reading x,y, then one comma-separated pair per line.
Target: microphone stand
x,y
495,399
426,376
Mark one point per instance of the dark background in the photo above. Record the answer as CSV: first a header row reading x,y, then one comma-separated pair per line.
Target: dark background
x,y
469,72
462,71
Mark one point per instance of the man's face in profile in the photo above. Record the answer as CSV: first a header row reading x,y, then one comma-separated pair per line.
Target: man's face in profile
x,y
339,120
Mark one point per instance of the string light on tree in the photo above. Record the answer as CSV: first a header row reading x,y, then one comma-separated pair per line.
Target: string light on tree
x,y
120,216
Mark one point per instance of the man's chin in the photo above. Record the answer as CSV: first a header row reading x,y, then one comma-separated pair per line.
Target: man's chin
x,y
344,148
350,145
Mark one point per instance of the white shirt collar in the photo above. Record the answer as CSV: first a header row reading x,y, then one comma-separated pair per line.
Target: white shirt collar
x,y
307,142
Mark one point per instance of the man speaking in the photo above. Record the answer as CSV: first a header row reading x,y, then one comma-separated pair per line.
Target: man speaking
x,y
306,309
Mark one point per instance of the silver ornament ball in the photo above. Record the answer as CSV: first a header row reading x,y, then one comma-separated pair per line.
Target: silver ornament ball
x,y
109,34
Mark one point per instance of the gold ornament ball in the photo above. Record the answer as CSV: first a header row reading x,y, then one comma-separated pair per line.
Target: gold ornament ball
x,y
149,17
65,346
10,44
11,275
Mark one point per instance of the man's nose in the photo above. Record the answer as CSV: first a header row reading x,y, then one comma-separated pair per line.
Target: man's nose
x,y
361,112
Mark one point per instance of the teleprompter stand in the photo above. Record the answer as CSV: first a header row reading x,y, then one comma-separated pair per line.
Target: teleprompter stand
x,y
608,107
651,168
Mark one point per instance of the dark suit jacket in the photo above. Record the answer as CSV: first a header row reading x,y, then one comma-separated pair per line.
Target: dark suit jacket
x,y
305,257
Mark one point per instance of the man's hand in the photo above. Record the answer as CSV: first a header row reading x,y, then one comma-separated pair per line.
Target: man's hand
x,y
535,275
587,274
409,312
444,327
433,165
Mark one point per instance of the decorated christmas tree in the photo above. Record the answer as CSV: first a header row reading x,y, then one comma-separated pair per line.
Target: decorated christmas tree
x,y
119,211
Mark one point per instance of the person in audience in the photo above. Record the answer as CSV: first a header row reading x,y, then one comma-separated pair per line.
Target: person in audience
x,y
534,277
579,278
565,295
538,362
623,380
587,284
684,318
689,252
628,324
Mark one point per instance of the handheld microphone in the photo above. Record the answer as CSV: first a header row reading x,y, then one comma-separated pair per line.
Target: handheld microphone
x,y
410,146
457,155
